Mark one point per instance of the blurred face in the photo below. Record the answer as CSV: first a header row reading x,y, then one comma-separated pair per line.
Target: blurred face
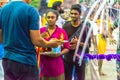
x,y
27,1
61,9
117,5
75,15
51,18
3,2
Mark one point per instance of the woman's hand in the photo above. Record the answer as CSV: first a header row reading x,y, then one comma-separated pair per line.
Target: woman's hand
x,y
72,46
45,35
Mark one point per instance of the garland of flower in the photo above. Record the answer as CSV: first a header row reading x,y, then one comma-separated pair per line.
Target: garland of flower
x,y
108,57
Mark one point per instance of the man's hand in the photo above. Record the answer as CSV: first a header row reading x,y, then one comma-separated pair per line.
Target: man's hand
x,y
73,43
81,44
74,40
72,46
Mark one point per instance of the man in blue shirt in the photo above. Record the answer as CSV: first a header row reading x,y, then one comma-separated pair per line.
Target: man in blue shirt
x,y
1,54
2,3
19,32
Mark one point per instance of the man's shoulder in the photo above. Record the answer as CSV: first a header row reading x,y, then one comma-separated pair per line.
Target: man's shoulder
x,y
87,22
67,23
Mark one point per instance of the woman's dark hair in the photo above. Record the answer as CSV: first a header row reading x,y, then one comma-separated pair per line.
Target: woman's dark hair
x,y
54,11
56,4
76,7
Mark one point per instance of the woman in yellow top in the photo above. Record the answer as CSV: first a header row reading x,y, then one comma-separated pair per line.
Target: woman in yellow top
x,y
102,35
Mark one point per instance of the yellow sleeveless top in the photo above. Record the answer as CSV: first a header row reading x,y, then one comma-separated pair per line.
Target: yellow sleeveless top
x,y
50,2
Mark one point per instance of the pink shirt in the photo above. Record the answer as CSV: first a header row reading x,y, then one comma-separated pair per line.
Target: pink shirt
x,y
53,66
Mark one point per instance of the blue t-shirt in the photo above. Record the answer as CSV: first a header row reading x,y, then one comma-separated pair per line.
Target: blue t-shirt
x,y
1,47
1,51
17,18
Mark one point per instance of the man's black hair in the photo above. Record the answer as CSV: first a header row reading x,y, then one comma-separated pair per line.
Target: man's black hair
x,y
56,4
76,7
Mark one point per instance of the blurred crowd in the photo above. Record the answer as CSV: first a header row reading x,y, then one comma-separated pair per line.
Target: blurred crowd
x,y
61,19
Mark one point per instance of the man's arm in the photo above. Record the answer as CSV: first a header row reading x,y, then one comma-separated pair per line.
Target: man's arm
x,y
37,40
1,36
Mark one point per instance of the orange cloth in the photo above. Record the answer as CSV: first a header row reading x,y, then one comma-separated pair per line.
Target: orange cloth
x,y
38,56
43,20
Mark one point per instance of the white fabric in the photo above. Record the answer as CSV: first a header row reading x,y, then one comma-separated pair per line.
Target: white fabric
x,y
93,64
115,34
95,27
60,22
94,70
40,22
1,71
95,33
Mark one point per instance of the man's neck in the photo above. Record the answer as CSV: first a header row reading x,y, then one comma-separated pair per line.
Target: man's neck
x,y
76,23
